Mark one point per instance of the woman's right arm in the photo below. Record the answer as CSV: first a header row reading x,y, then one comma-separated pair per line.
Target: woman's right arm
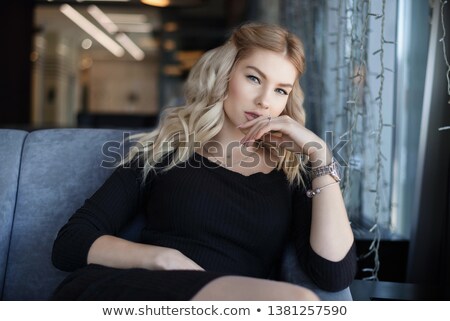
x,y
89,235
116,252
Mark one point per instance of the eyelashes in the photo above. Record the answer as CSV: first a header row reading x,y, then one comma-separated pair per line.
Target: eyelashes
x,y
256,80
253,79
281,91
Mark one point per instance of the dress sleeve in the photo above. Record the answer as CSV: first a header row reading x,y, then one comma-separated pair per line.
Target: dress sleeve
x,y
114,204
328,275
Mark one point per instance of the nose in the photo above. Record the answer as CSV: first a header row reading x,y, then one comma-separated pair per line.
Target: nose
x,y
262,101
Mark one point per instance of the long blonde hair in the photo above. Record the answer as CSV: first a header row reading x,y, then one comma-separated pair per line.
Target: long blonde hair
x,y
181,129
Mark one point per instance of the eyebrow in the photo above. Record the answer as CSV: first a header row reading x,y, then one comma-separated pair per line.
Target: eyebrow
x,y
265,77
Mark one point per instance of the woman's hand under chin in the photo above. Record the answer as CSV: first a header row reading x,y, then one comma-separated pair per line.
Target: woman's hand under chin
x,y
285,133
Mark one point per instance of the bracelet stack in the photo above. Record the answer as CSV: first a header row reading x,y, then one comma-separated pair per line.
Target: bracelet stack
x,y
311,193
331,170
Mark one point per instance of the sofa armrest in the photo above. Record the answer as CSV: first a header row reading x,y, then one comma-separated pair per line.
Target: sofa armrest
x,y
11,144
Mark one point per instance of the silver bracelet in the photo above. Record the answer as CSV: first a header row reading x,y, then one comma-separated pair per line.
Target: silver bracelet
x,y
313,192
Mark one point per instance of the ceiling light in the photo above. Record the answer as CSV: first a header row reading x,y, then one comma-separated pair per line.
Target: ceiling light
x,y
102,19
127,18
113,23
157,3
103,0
130,46
92,30
136,28
86,44
173,3
112,28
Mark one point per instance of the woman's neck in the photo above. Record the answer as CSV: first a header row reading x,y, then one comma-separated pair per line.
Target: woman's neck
x,y
229,135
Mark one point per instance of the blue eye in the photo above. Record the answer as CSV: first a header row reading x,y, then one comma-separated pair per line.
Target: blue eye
x,y
281,91
253,79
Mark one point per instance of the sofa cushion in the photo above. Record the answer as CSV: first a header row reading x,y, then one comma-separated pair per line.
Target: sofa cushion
x,y
11,142
60,169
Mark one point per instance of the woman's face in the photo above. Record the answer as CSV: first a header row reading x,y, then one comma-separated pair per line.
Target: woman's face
x,y
259,86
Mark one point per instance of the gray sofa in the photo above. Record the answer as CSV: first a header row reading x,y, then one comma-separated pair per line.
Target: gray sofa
x,y
45,176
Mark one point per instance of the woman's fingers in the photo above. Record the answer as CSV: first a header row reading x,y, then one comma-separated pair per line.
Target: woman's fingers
x,y
272,139
281,131
251,122
255,128
276,139
191,265
172,259
185,263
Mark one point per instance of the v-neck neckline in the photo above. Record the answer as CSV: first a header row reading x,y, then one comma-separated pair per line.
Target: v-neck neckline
x,y
223,168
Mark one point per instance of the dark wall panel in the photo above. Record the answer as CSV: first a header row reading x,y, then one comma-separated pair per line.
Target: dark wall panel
x,y
16,27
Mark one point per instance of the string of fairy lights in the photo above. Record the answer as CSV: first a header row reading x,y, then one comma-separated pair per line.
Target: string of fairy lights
x,y
444,50
356,117
354,18
374,247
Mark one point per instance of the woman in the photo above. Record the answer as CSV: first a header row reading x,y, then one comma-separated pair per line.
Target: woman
x,y
221,181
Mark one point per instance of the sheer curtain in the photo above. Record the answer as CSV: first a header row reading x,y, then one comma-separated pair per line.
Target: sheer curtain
x,y
350,100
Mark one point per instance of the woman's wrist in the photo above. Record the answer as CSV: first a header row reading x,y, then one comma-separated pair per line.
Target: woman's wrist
x,y
320,156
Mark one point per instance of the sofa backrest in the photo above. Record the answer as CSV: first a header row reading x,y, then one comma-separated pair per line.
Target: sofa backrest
x,y
45,176
60,168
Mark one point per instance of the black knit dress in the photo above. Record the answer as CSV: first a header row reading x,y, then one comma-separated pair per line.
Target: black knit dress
x,y
228,223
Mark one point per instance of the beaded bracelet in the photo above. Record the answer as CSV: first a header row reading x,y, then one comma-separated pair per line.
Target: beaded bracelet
x,y
311,193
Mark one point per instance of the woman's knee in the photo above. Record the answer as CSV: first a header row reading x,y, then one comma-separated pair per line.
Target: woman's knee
x,y
304,294
290,292
245,288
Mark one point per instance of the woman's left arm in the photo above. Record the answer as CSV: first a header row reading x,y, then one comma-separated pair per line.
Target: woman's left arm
x,y
331,234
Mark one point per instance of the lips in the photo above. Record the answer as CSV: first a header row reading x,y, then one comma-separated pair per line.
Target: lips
x,y
251,115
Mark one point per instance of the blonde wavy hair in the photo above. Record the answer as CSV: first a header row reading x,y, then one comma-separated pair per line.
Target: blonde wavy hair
x,y
182,128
